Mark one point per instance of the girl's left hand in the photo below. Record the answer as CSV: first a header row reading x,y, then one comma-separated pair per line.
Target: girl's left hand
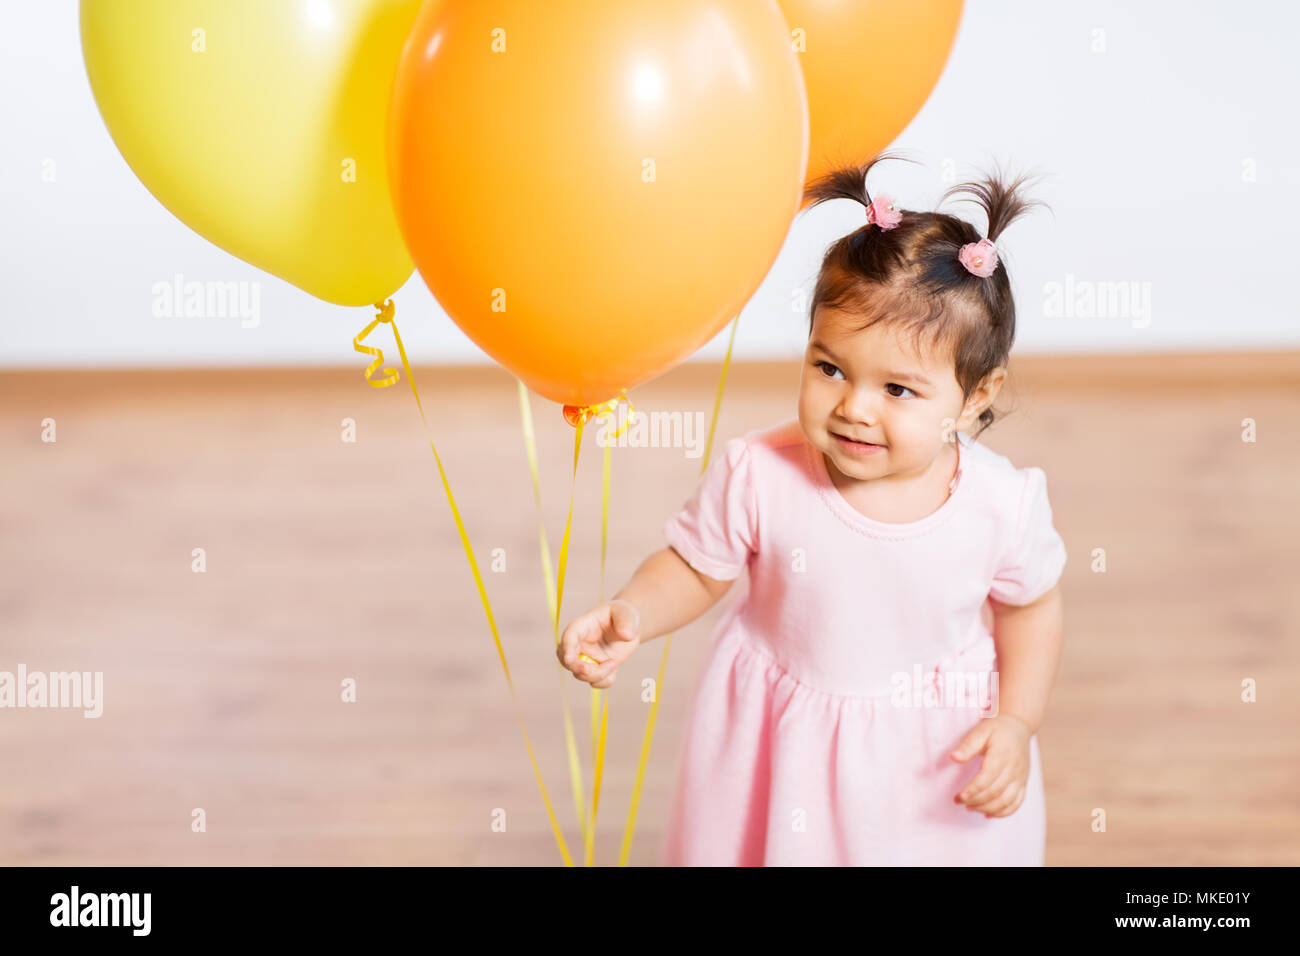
x,y
999,787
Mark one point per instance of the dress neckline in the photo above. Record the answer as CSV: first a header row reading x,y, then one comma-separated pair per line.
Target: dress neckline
x,y
888,529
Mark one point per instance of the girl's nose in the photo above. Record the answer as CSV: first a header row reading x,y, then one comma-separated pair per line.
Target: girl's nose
x,y
858,407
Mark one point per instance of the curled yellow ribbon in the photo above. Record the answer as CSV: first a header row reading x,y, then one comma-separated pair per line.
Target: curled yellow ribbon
x,y
385,314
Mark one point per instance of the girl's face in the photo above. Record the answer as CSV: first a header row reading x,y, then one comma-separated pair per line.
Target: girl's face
x,y
871,386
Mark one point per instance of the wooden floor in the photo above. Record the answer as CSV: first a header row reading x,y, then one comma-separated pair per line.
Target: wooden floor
x,y
328,560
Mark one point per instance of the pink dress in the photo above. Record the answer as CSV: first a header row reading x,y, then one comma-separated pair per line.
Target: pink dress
x,y
814,737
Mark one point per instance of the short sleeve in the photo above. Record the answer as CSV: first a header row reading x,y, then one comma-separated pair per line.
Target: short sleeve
x,y
715,531
1036,558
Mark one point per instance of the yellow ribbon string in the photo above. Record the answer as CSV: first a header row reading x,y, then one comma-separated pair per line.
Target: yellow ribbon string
x,y
385,315
668,638
598,735
570,741
583,415
580,416
600,698
599,754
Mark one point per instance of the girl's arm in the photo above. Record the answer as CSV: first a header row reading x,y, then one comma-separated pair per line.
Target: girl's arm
x,y
1028,639
668,593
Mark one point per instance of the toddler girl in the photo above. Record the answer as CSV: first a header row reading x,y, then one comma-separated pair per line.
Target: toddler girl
x,y
874,699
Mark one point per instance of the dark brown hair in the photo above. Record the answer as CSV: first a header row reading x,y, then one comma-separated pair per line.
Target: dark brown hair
x,y
910,274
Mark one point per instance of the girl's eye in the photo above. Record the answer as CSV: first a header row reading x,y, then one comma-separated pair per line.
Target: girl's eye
x,y
826,365
896,385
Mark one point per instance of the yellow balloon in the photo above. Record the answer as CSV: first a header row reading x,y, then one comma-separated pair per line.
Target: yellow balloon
x,y
262,125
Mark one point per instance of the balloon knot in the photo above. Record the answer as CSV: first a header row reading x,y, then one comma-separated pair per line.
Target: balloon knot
x,y
577,415
385,310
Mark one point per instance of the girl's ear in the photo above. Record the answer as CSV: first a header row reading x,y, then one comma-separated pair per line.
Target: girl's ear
x,y
983,395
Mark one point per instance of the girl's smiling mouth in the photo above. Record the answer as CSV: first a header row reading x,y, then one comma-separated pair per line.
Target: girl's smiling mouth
x,y
856,447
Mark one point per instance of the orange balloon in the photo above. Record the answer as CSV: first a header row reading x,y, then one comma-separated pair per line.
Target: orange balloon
x,y
869,66
593,189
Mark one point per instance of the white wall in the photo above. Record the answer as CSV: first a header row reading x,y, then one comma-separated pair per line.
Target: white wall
x,y
1151,144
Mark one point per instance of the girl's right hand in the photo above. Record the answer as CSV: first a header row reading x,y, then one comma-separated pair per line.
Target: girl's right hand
x,y
594,644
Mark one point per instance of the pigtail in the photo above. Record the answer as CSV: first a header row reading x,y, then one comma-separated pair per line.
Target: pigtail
x,y
846,182
1003,202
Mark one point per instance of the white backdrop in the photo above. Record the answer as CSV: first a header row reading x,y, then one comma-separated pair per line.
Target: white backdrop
x,y
1168,131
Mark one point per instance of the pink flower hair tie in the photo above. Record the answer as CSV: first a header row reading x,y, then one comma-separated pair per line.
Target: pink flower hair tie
x,y
884,212
979,258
